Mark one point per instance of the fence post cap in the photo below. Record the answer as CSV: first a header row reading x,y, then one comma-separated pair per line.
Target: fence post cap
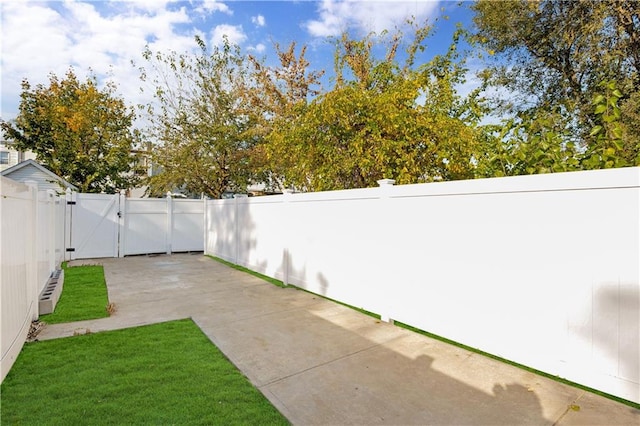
x,y
386,182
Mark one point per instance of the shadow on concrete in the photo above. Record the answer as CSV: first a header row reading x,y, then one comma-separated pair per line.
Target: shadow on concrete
x,y
306,360
320,362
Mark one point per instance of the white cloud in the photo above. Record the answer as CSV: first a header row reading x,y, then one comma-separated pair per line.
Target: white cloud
x,y
153,6
212,6
234,33
42,38
259,48
258,20
336,16
32,35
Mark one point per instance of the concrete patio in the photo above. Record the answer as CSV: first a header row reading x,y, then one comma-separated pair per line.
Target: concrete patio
x,y
319,362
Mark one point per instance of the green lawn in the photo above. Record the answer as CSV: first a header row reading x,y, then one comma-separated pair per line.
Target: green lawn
x,y
84,296
168,373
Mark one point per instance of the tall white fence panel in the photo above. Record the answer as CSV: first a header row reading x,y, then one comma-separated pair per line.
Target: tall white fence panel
x,y
145,226
220,231
162,226
542,270
187,225
32,243
49,235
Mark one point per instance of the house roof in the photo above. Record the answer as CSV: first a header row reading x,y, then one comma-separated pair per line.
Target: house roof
x,y
19,171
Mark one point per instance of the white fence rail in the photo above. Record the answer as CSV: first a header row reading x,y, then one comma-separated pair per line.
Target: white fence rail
x,y
542,270
32,246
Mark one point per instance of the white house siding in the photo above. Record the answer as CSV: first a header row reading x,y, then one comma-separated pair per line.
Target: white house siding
x,y
15,157
31,173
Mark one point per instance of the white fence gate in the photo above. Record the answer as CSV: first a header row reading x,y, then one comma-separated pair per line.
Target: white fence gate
x,y
94,229
114,226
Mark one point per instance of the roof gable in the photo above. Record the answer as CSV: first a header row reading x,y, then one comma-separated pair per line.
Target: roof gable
x,y
30,169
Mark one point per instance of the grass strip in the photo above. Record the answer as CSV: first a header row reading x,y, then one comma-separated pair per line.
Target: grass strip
x,y
84,296
167,373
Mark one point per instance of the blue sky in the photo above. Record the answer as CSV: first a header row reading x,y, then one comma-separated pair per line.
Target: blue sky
x,y
39,37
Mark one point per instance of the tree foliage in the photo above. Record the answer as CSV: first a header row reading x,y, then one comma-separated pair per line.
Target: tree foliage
x,y
555,58
278,96
384,118
570,69
200,121
78,131
277,91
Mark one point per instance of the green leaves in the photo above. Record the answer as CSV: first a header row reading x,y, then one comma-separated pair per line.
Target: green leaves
x,y
607,148
201,124
79,132
529,145
382,119
569,71
596,129
600,109
555,54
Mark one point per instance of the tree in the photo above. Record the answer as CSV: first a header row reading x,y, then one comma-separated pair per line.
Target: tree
x,y
278,96
382,119
528,145
200,122
78,131
276,91
553,57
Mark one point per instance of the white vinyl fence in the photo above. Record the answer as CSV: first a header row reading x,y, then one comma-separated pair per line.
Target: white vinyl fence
x,y
41,229
105,225
162,226
541,270
32,247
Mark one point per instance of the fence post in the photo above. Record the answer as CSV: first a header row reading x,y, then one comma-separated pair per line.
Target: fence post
x,y
237,198
53,228
286,255
32,250
122,217
169,234
205,225
385,188
68,223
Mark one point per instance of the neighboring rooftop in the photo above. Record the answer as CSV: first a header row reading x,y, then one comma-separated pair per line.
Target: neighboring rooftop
x,y
34,171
